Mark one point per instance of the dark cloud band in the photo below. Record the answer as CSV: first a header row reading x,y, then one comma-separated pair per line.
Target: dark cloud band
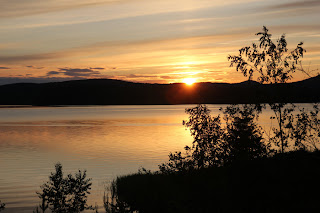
x,y
75,72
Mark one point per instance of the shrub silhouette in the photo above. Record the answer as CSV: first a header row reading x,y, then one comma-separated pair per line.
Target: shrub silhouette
x,y
305,130
214,144
273,64
65,194
243,135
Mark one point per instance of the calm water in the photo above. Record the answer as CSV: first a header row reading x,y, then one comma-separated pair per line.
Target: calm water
x,y
107,141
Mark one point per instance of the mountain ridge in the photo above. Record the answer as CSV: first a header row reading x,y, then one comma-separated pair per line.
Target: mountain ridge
x,y
118,92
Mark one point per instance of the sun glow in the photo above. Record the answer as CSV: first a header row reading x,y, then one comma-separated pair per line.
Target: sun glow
x,y
189,81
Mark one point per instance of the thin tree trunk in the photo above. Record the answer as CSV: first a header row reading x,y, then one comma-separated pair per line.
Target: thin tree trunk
x,y
281,131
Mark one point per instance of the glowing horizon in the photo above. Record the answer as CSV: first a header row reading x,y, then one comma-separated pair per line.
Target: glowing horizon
x,y
189,81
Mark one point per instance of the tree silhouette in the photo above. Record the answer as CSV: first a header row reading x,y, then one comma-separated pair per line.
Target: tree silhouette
x,y
215,144
207,148
273,64
65,194
241,138
243,135
306,129
271,61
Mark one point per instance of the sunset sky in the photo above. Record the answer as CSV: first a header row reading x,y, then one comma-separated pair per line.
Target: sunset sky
x,y
154,41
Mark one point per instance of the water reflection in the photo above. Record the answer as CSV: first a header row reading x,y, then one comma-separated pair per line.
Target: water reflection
x,y
107,141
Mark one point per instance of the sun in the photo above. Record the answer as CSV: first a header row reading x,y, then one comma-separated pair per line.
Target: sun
x,y
189,81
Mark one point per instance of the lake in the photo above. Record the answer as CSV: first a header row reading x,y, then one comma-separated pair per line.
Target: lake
x,y
107,141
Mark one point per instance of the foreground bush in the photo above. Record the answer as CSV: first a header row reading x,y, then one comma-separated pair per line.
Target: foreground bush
x,y
239,138
283,183
65,194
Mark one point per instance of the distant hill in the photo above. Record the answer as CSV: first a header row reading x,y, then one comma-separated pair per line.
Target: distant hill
x,y
116,92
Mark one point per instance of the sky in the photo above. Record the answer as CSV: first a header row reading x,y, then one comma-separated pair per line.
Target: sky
x,y
148,41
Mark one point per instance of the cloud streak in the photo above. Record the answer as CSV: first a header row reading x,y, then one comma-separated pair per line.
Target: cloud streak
x,y
28,79
75,72
17,8
34,67
101,49
97,68
297,4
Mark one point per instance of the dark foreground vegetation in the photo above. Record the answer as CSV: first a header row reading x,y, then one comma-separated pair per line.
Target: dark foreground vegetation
x,y
65,193
233,165
286,182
